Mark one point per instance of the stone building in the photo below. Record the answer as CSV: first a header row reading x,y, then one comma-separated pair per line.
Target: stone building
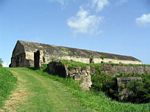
x,y
30,54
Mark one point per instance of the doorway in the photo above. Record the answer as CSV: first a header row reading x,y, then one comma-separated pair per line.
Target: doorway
x,y
37,59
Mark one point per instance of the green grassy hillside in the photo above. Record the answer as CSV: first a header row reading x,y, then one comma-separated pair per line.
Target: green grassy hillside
x,y
7,83
99,102
41,92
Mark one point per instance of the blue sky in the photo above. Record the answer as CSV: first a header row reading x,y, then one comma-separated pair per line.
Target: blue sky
x,y
115,26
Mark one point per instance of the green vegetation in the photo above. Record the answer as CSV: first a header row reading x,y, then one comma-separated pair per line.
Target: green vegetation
x,y
139,90
44,94
1,62
139,93
48,93
7,83
107,82
74,64
97,101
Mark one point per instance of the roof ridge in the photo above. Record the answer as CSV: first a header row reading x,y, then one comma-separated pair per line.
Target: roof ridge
x,y
83,50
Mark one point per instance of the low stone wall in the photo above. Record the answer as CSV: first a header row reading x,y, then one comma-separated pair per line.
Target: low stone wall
x,y
82,75
128,69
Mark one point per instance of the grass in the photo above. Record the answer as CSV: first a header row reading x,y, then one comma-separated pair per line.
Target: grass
x,y
74,64
98,101
7,84
45,94
48,93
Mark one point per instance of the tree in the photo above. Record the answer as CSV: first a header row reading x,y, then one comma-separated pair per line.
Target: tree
x,y
1,62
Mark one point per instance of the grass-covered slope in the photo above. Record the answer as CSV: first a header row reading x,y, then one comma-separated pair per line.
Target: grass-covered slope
x,y
41,93
7,83
98,102
48,93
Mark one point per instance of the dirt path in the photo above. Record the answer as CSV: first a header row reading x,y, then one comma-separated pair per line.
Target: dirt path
x,y
36,93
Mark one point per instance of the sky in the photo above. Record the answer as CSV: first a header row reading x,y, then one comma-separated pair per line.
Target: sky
x,y
113,26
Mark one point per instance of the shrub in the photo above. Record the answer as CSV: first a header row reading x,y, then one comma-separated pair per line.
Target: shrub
x,y
138,92
110,88
100,80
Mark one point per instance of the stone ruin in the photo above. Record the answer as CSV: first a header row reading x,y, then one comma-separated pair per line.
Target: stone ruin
x,y
82,75
32,54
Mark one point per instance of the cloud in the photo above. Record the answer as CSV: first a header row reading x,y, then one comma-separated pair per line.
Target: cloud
x,y
84,22
99,5
144,20
62,2
121,2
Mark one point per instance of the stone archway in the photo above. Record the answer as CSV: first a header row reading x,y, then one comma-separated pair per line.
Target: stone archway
x,y
37,59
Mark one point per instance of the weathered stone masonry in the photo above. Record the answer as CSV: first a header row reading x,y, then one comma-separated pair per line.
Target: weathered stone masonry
x,y
83,75
30,54
24,55
127,69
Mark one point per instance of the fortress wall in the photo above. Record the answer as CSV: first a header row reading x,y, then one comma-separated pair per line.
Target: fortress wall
x,y
127,69
73,58
99,60
83,74
45,59
115,61
29,55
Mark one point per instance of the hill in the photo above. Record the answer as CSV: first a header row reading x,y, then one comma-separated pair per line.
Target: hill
x,y
37,91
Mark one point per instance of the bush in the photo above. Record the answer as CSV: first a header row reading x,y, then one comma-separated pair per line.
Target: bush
x,y
100,80
136,91
110,88
139,91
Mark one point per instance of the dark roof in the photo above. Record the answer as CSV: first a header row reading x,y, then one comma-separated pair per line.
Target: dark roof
x,y
66,51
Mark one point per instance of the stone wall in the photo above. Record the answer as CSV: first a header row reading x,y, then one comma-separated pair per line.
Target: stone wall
x,y
46,58
128,69
49,52
97,60
82,75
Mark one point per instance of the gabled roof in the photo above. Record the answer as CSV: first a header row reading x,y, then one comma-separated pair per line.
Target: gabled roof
x,y
66,51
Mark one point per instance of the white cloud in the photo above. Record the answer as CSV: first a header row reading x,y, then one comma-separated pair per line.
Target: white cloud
x,y
99,5
144,20
62,2
84,22
120,2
